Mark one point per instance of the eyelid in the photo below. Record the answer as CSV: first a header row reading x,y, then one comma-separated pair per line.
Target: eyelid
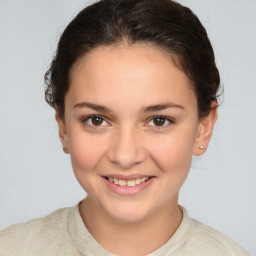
x,y
170,120
84,119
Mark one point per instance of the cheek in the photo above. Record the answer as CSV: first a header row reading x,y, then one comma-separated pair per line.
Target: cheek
x,y
173,152
85,152
173,158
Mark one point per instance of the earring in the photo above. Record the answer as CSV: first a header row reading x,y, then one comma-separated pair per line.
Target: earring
x,y
201,147
65,150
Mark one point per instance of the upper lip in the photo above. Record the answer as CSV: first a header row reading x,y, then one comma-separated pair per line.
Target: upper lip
x,y
127,177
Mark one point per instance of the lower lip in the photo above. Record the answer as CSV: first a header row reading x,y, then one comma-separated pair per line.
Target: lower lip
x,y
126,190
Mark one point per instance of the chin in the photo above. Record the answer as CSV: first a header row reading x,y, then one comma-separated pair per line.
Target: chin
x,y
128,214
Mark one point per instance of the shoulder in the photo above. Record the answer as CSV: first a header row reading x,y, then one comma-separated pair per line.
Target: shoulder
x,y
27,238
193,238
52,221
212,242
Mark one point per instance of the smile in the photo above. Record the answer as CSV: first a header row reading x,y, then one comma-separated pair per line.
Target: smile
x,y
128,186
129,183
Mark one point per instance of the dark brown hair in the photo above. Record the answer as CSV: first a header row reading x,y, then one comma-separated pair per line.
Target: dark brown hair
x,y
163,23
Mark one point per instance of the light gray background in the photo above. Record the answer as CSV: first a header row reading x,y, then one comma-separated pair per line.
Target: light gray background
x,y
36,176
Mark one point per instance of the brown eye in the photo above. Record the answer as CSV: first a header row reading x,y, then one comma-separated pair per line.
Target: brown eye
x,y
96,120
159,121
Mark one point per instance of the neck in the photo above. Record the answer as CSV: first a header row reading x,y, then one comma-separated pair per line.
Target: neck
x,y
130,238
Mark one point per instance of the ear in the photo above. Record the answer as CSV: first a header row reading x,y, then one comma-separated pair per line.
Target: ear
x,y
205,131
62,131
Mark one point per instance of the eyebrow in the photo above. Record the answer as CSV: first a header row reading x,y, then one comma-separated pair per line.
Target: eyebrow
x,y
151,108
159,107
93,106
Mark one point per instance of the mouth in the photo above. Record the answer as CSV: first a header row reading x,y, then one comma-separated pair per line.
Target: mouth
x,y
128,183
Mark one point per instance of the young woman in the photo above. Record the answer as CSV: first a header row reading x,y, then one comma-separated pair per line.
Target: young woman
x,y
134,86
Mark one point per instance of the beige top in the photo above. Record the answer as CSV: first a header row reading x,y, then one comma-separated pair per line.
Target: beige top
x,y
63,233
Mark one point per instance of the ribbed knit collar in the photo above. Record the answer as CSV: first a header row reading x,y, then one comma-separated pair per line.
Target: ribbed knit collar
x,y
88,246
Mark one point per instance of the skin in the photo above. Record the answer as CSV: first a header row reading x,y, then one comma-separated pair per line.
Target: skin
x,y
128,141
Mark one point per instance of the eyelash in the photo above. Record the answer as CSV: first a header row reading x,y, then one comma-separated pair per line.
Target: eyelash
x,y
166,119
85,120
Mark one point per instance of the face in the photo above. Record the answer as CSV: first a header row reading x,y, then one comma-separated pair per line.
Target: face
x,y
131,128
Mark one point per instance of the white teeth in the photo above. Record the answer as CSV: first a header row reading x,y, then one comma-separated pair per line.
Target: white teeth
x,y
122,183
129,183
138,181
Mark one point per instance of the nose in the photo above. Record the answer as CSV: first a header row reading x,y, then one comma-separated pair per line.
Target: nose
x,y
126,149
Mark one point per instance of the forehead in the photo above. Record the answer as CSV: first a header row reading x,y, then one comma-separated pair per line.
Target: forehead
x,y
124,54
137,72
